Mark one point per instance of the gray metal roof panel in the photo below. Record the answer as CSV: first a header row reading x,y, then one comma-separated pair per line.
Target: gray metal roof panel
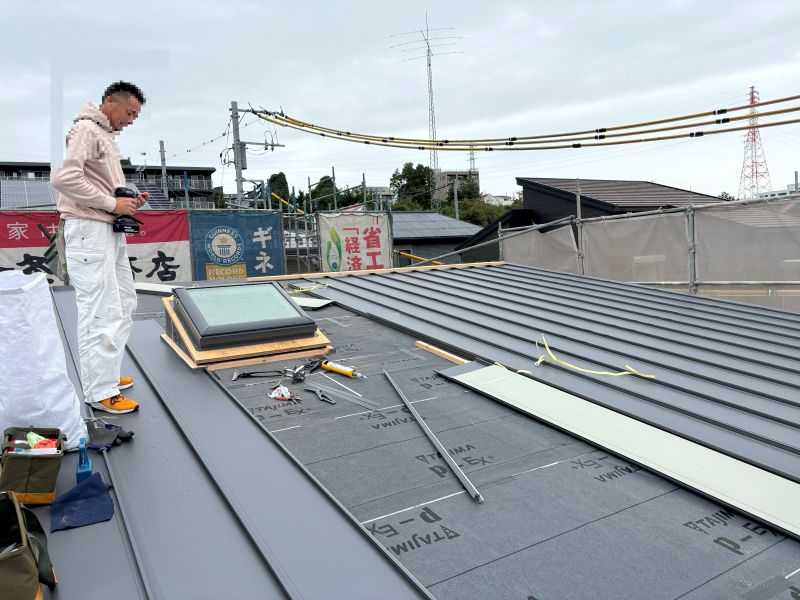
x,y
411,225
162,494
624,192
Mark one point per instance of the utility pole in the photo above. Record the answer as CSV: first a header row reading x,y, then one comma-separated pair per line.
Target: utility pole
x,y
163,168
239,159
455,196
333,177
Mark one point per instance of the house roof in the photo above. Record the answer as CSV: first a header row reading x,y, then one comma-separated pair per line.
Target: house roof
x,y
408,225
558,521
621,192
207,504
705,388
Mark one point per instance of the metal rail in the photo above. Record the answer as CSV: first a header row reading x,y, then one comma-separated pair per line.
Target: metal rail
x,y
473,491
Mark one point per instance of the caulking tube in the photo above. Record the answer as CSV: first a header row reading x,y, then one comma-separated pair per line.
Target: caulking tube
x,y
341,369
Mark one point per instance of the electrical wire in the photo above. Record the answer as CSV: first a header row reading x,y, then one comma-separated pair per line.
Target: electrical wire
x,y
655,129
281,118
511,148
219,137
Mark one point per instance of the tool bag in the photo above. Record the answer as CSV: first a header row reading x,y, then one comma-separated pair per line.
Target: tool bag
x,y
32,477
24,561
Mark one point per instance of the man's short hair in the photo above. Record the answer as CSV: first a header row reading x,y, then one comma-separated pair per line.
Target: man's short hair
x,y
125,89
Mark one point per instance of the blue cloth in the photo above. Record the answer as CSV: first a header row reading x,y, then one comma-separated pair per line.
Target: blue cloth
x,y
88,502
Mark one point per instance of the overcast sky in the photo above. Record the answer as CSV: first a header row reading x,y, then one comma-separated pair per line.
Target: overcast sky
x,y
521,68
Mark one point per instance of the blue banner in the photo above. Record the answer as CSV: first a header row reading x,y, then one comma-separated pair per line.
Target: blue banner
x,y
234,244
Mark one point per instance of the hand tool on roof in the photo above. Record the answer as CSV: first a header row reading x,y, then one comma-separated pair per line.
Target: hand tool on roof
x,y
281,392
471,489
299,373
341,369
321,395
333,392
274,373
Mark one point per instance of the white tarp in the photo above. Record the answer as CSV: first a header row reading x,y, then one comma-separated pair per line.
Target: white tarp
x,y
552,250
354,242
35,389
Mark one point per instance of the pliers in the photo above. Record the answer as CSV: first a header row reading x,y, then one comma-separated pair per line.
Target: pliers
x,y
321,395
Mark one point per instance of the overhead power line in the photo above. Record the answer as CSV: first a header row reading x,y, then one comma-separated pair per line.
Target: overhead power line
x,y
281,116
598,137
212,140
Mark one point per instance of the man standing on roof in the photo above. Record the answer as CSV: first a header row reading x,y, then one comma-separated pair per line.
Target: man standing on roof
x,y
97,258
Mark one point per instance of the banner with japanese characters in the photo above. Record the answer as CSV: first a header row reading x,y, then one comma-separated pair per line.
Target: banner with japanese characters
x,y
158,253
354,241
235,244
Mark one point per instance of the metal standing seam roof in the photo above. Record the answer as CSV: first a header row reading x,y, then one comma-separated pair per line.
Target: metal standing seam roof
x,y
202,474
622,192
727,375
426,225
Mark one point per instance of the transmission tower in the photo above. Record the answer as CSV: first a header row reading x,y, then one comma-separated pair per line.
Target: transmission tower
x,y
472,162
755,174
434,159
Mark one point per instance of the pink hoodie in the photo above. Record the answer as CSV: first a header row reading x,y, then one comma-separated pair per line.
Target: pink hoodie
x,y
91,170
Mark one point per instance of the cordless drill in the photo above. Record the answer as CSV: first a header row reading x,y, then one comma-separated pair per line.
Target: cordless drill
x,y
125,223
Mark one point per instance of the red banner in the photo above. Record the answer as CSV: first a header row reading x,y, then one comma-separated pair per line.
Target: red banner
x,y
159,252
20,229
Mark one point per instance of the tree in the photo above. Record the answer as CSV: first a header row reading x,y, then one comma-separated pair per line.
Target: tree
x,y
726,196
323,193
408,205
467,190
278,185
413,185
218,196
474,210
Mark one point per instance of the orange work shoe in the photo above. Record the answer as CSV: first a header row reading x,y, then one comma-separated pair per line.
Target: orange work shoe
x,y
118,404
125,382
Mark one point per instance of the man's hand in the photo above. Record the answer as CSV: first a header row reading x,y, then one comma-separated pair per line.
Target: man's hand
x,y
126,206
142,199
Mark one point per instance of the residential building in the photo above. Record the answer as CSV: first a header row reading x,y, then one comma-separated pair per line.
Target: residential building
x,y
25,184
444,181
496,200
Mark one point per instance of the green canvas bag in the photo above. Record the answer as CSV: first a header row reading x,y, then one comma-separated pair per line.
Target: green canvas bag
x,y
24,561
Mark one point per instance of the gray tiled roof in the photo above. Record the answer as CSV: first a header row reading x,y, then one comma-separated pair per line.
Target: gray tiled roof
x,y
419,225
621,192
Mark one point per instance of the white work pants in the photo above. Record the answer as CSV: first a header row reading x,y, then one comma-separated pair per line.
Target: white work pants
x,y
99,270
